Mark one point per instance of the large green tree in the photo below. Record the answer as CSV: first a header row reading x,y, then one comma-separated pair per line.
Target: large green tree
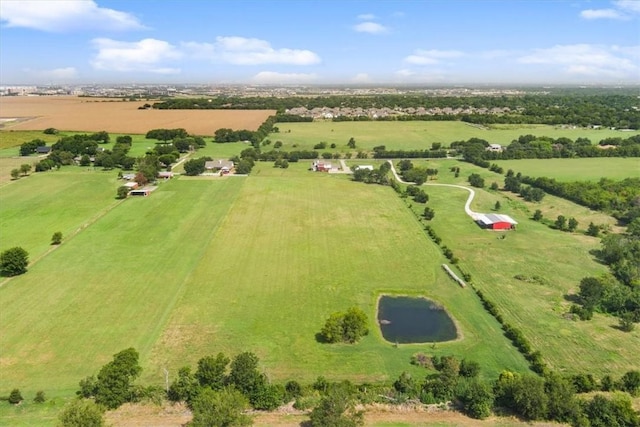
x,y
211,371
116,377
14,261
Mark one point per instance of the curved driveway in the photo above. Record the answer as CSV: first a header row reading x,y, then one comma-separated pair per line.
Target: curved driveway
x,y
467,205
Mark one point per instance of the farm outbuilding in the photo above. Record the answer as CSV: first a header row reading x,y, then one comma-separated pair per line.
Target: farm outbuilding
x,y
225,166
496,221
320,166
140,192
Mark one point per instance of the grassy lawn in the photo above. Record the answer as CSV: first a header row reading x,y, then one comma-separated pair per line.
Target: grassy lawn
x,y
297,246
585,169
417,134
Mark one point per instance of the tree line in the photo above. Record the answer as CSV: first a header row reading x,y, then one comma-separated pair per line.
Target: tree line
x,y
221,391
612,109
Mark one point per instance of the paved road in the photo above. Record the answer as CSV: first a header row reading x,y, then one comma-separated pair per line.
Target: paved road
x,y
467,205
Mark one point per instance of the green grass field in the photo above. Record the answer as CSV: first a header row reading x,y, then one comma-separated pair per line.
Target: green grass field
x,y
229,265
585,169
417,134
561,259
258,263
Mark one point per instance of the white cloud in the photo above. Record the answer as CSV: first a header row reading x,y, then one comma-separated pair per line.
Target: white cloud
x,y
366,17
370,27
405,73
622,10
631,6
54,75
429,57
62,16
589,60
148,55
601,14
249,51
361,78
272,77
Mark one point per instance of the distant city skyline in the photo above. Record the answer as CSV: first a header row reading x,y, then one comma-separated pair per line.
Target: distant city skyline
x,y
280,42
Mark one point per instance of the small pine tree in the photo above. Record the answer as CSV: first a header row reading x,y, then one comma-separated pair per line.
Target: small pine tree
x,y
497,206
537,215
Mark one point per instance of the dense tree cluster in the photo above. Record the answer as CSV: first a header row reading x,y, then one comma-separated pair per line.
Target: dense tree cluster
x,y
30,147
347,326
543,147
14,261
166,134
375,176
113,386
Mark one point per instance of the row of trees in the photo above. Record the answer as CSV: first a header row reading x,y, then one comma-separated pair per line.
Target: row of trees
x,y
221,390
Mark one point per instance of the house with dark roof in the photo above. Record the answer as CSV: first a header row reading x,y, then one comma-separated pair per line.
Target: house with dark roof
x,y
43,149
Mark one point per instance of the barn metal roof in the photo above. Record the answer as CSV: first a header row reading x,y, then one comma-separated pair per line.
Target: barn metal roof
x,y
488,219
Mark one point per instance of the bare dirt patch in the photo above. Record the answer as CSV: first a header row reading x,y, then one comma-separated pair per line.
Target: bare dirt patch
x,y
176,415
94,115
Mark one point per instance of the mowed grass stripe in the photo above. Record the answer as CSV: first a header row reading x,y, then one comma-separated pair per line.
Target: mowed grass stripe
x,y
35,207
109,288
295,249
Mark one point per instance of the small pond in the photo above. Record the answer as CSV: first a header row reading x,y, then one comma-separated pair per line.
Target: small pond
x,y
414,320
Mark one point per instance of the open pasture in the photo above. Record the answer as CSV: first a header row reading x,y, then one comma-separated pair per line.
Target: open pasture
x,y
231,265
94,115
418,134
560,260
34,207
579,169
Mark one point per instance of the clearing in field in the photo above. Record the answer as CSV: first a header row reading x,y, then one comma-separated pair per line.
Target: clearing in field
x,y
94,115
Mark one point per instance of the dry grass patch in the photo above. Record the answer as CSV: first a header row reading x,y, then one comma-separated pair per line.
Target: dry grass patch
x,y
94,115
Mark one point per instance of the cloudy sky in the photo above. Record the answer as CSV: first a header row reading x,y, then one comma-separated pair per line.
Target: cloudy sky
x,y
316,42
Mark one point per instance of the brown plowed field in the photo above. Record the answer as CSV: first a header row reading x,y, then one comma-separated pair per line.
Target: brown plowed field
x,y
69,113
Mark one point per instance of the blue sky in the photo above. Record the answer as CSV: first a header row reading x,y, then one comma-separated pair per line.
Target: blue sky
x,y
430,42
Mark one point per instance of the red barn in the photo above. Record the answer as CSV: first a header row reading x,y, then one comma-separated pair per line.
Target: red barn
x,y
496,221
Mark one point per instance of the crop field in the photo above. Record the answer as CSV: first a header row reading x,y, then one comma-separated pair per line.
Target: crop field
x,y
584,169
94,115
418,134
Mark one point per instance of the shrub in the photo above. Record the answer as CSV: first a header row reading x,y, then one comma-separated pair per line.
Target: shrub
x,y
56,239
15,397
40,397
